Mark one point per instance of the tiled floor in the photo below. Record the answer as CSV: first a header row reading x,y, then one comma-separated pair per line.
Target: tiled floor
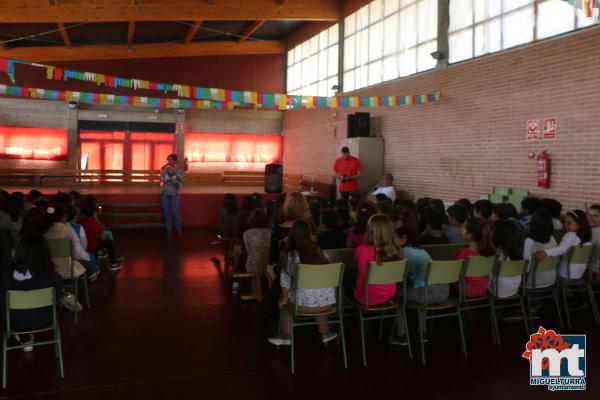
x,y
167,326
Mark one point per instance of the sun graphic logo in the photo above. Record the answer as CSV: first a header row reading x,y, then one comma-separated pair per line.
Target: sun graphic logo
x,y
556,361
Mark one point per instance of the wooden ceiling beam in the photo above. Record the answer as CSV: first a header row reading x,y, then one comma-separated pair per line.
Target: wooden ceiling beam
x,y
250,30
114,52
192,31
73,11
64,34
130,32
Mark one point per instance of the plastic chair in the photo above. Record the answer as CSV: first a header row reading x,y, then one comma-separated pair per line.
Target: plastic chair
x,y
28,300
317,277
497,198
444,252
548,264
386,273
520,192
576,255
345,256
516,200
509,269
61,248
440,272
593,284
502,191
476,267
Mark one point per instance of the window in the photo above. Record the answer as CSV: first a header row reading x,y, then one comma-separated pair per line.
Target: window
x,y
312,66
478,27
387,39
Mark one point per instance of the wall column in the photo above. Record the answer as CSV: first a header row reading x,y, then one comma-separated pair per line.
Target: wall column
x,y
73,151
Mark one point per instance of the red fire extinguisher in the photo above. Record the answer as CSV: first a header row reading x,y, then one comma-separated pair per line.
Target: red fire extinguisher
x,y
543,170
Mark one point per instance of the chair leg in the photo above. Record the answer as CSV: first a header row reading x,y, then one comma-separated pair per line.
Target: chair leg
x,y
292,348
525,319
462,334
381,327
593,303
342,337
76,299
362,338
421,338
4,351
530,314
494,323
410,355
87,293
557,304
563,291
59,350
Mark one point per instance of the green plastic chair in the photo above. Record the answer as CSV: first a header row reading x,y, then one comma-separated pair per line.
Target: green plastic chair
x,y
516,200
502,191
61,248
385,273
475,267
508,269
576,255
520,192
440,272
345,256
533,293
593,284
444,252
28,300
497,198
317,277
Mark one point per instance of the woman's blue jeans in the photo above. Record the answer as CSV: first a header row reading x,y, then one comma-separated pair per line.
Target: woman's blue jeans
x,y
170,206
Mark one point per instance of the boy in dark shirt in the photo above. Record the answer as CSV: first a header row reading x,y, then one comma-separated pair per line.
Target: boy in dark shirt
x,y
433,232
330,237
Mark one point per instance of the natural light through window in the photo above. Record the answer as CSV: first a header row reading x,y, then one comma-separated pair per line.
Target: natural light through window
x,y
388,39
312,67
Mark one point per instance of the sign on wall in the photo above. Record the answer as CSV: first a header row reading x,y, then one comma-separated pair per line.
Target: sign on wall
x,y
550,128
533,130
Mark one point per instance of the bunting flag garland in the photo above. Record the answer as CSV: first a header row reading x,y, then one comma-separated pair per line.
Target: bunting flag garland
x,y
591,8
239,98
295,102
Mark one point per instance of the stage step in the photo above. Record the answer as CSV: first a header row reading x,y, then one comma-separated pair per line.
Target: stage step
x,y
138,215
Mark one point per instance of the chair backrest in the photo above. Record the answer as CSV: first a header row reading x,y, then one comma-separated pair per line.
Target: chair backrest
x,y
581,254
558,234
440,272
520,192
516,200
444,252
28,299
497,198
346,256
60,248
386,272
503,191
475,266
547,264
318,276
511,268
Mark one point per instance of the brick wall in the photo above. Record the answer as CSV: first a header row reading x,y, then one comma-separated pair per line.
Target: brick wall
x,y
474,137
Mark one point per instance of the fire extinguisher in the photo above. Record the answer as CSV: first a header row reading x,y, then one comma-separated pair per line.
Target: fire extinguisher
x,y
543,170
186,165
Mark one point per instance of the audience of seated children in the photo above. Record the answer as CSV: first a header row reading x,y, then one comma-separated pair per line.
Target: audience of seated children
x,y
479,236
539,237
467,204
294,208
379,246
227,215
438,204
507,242
555,209
417,261
594,217
457,216
32,269
357,234
33,197
240,226
434,223
528,207
97,238
482,209
578,233
329,236
301,248
257,241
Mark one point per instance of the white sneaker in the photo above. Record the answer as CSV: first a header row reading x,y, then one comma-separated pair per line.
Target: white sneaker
x,y
280,340
328,337
69,302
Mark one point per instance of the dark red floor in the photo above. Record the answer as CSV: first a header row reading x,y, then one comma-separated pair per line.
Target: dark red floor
x,y
167,327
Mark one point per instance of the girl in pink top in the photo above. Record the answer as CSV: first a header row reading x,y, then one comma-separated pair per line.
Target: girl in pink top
x,y
379,246
357,235
479,236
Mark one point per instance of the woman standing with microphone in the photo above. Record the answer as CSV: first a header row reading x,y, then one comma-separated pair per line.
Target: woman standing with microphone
x,y
171,179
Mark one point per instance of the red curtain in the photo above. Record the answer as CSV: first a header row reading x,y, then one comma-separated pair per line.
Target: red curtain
x,y
225,147
33,143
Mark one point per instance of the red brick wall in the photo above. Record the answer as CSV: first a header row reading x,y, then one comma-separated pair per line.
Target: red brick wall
x,y
474,138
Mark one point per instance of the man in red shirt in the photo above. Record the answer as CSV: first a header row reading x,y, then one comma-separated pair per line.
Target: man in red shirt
x,y
347,170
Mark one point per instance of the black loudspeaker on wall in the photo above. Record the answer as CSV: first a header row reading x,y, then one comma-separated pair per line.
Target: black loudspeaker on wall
x,y
359,125
273,178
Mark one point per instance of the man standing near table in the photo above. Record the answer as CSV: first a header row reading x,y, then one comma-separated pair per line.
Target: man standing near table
x,y
347,170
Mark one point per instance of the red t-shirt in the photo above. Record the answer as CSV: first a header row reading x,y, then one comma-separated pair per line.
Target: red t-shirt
x,y
475,286
93,229
378,294
348,167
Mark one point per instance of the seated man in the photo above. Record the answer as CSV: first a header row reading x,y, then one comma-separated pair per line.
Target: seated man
x,y
386,188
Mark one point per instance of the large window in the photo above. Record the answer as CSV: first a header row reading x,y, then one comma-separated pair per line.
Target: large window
x,y
312,66
478,27
388,39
